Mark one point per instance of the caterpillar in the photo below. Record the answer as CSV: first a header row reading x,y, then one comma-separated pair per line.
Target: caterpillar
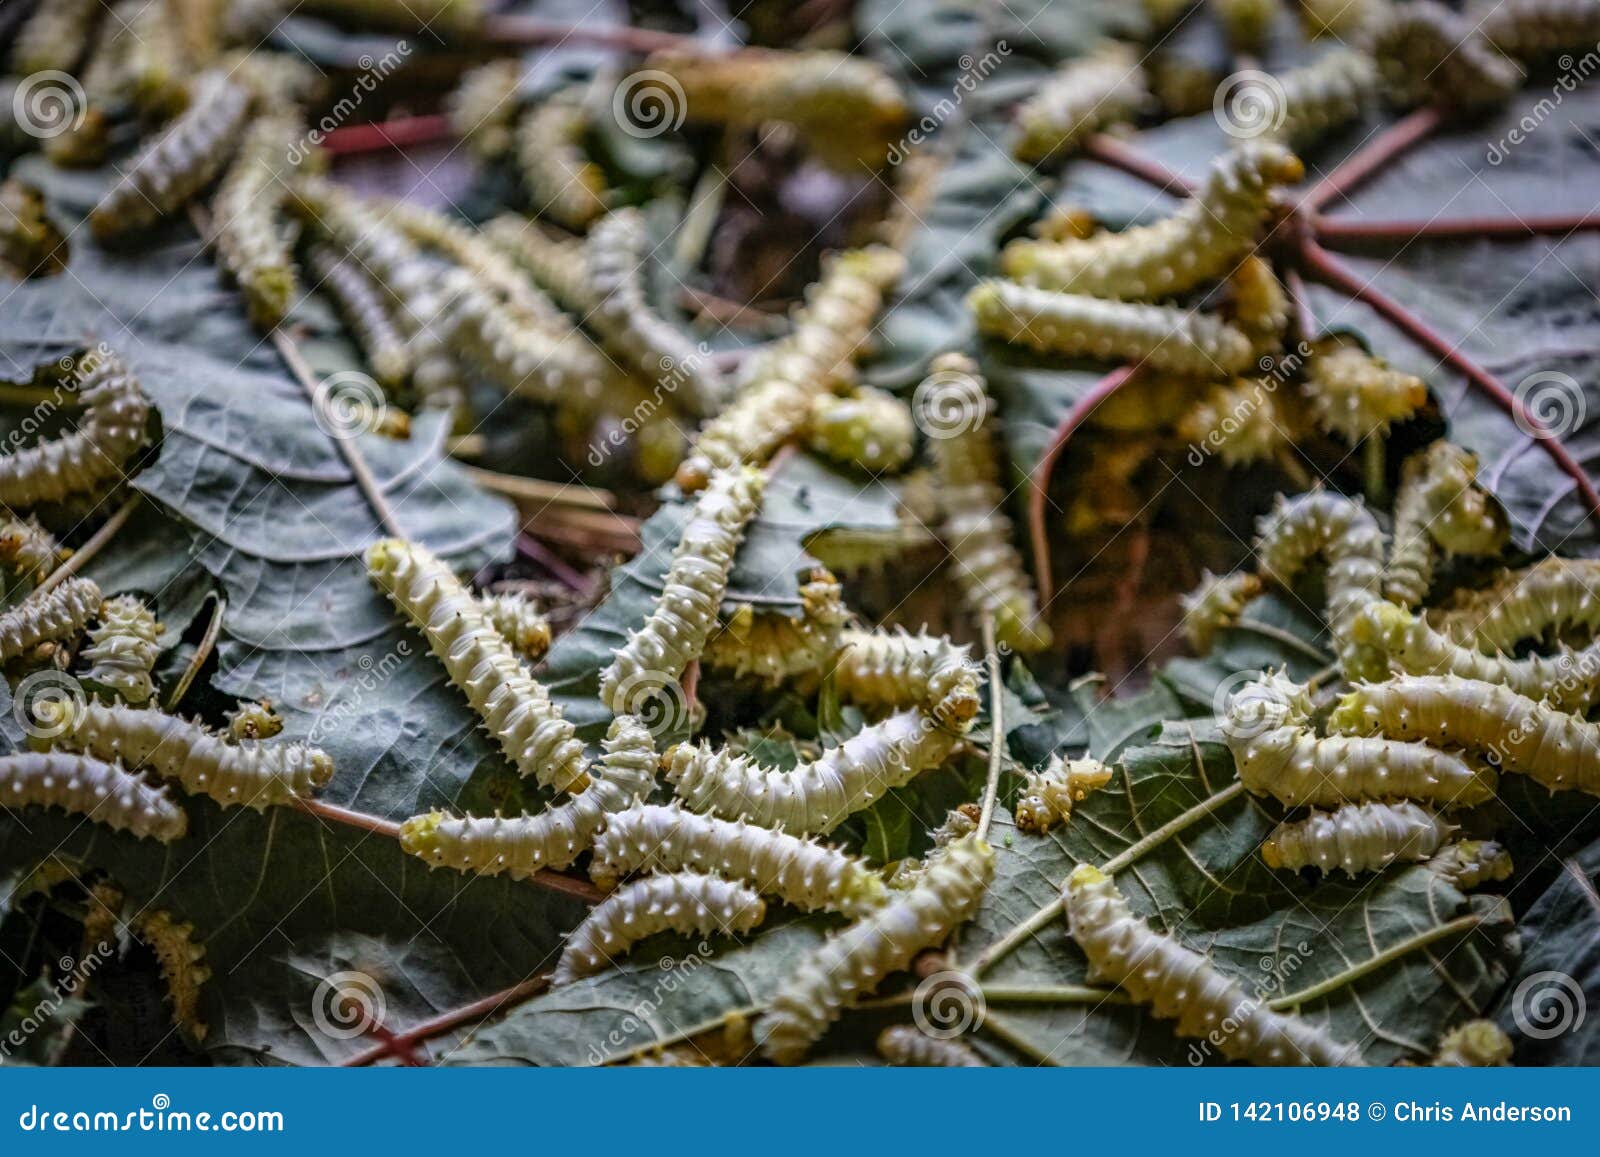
x,y
361,303
106,85
102,792
960,823
55,615
1468,864
772,647
1439,505
988,568
1362,837
685,902
249,238
1476,1044
483,108
123,649
1325,95
1518,734
1077,325
173,169
182,964
515,708
254,721
1424,49
202,762
54,37
852,962
1344,532
1260,306
559,266
1202,241
520,621
1535,30
1549,597
774,404
675,633
817,796
1181,984
111,429
1092,93
1356,396
562,183
1238,421
618,249
28,549
653,838
1049,794
523,845
897,670
155,63
869,429
1568,680
902,1044
1278,754
1215,605
30,243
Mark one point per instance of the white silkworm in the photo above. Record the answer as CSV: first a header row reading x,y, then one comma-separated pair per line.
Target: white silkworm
x,y
1357,838
123,649
50,617
1215,605
102,792
903,1044
896,669
1049,794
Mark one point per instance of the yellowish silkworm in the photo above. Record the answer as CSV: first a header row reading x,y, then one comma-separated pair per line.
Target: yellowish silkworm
x,y
1086,95
1049,794
1215,605
1357,838
123,649
54,616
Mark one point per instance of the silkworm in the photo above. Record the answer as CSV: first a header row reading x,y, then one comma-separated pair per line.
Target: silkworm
x,y
521,846
54,38
514,708
898,670
519,619
1468,864
559,266
1569,679
657,652
851,963
775,647
155,63
1260,305
809,875
55,615
102,792
1278,754
1178,983
1215,605
1343,532
1439,506
688,903
172,170
250,238
1077,325
869,429
1477,1044
1424,49
201,761
774,401
1237,421
483,108
1536,30
1246,23
1086,95
182,964
1048,795
1518,734
28,549
1357,838
254,721
123,649
1357,396
109,431
30,243
1325,95
562,183
816,796
106,86
903,1044
988,568
961,822
360,302
1550,597
619,247
1202,241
